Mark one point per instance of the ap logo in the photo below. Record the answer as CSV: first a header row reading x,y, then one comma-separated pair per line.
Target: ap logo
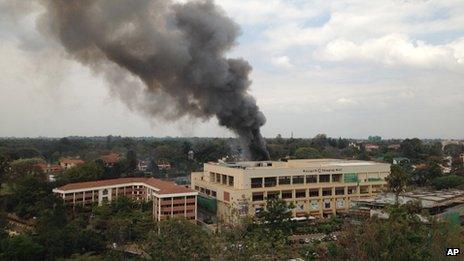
x,y
452,251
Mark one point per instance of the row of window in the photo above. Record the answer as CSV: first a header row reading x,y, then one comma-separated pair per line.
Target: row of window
x,y
176,198
206,191
182,204
303,193
221,179
177,212
299,179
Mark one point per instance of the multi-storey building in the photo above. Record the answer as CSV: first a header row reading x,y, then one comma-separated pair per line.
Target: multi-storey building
x,y
317,187
169,199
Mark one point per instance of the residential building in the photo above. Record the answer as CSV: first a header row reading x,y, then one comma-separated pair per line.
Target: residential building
x,y
67,163
169,199
111,159
371,147
401,160
163,165
191,155
317,187
142,165
394,146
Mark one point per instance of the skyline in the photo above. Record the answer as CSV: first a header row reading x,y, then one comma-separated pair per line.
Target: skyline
x,y
314,71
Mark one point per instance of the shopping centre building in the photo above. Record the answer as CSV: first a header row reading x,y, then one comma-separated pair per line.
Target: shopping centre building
x,y
169,199
317,187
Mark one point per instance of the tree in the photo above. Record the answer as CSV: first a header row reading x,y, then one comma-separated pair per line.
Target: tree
x,y
425,174
446,182
25,167
179,239
277,151
412,148
319,141
401,237
453,150
131,158
4,168
397,181
307,153
85,172
265,237
20,248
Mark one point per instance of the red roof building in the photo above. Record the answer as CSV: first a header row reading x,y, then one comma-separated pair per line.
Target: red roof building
x,y
67,163
110,159
169,199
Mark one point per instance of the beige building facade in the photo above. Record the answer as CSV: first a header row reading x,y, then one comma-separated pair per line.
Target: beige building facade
x,y
317,187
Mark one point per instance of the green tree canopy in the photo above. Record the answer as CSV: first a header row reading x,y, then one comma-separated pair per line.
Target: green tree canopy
x,y
179,239
446,182
307,153
397,180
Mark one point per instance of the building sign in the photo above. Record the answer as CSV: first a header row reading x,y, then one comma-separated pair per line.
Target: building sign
x,y
322,170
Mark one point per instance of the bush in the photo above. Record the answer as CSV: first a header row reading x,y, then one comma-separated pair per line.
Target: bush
x,y
450,181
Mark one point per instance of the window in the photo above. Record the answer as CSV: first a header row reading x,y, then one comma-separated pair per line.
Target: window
x,y
352,190
298,179
256,182
226,196
105,192
285,180
273,194
326,204
231,181
207,191
313,193
270,182
197,188
211,177
202,190
259,196
339,191
337,178
364,189
376,189
327,192
213,193
224,179
287,194
218,178
311,179
300,193
324,178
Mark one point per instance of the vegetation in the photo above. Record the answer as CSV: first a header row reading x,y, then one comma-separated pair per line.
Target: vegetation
x,y
106,232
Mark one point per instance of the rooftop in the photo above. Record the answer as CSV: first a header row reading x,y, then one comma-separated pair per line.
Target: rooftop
x,y
428,199
161,187
306,163
111,158
71,161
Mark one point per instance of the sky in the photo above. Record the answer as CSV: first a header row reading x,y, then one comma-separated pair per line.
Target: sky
x,y
393,68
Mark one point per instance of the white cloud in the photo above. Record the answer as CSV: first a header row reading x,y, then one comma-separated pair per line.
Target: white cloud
x,y
378,78
395,50
282,62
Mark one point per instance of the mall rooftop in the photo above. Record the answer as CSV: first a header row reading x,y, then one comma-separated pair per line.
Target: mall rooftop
x,y
297,163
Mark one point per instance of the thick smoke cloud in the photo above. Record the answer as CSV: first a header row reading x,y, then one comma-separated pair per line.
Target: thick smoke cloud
x,y
176,50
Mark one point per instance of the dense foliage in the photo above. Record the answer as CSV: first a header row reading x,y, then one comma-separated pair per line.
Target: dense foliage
x,y
108,232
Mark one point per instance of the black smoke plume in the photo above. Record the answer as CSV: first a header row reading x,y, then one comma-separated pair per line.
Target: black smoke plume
x,y
176,49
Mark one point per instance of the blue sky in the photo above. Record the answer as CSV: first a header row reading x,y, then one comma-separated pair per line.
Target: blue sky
x,y
393,68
